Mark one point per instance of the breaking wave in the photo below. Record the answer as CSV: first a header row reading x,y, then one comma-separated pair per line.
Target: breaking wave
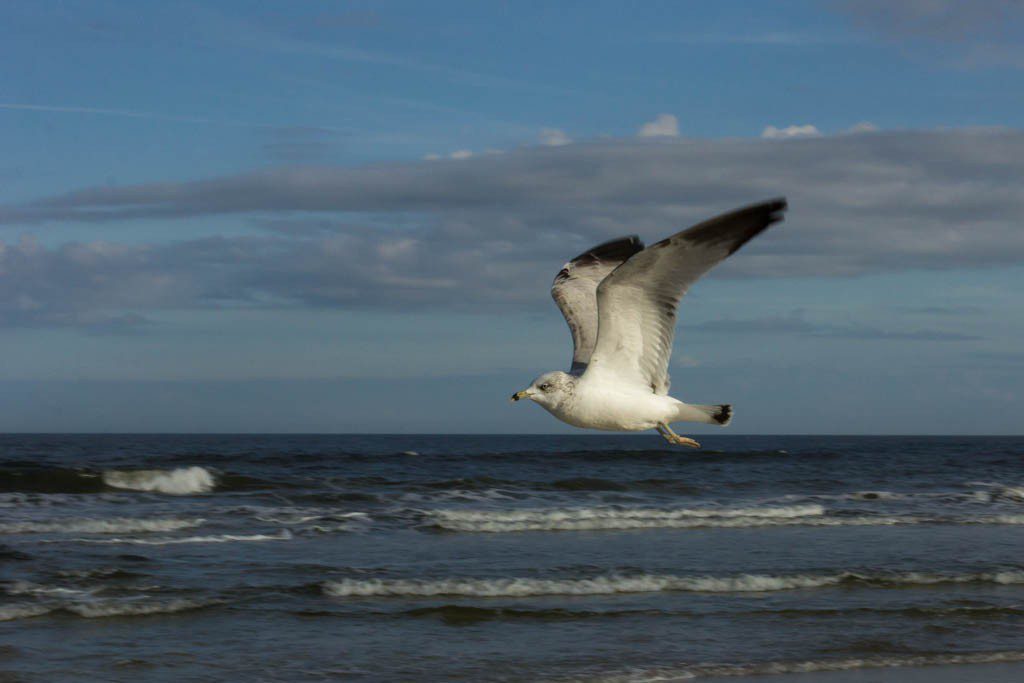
x,y
113,525
24,611
18,482
1015,493
532,514
179,481
650,583
282,535
994,491
615,518
99,609
93,610
30,588
611,518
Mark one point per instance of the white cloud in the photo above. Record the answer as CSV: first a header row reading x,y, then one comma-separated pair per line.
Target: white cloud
x,y
663,126
461,154
862,127
431,157
804,131
554,137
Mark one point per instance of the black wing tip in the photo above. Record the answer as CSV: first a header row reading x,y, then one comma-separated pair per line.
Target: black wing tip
x,y
773,210
618,249
770,212
724,414
739,226
776,209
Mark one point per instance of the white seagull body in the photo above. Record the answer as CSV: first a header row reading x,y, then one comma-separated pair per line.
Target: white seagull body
x,y
620,302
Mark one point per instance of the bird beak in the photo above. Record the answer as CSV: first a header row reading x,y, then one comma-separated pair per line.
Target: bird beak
x,y
520,394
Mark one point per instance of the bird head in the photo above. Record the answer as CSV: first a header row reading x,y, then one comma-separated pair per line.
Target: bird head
x,y
548,390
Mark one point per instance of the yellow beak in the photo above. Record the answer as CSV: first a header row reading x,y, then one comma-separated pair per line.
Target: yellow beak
x,y
520,394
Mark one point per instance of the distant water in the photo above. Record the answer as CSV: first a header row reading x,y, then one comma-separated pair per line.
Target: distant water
x,y
518,558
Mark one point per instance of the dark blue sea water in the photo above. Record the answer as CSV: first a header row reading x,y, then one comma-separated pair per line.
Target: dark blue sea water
x,y
506,558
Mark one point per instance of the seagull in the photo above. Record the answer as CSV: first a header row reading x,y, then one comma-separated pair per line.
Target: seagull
x,y
620,302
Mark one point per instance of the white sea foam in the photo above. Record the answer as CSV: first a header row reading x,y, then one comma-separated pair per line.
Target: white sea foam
x,y
602,585
101,608
612,518
684,673
29,588
1001,519
23,611
112,525
647,583
282,535
616,518
994,491
627,524
127,608
82,603
290,516
541,514
1014,493
180,481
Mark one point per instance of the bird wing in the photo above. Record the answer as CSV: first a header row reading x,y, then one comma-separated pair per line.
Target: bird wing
x,y
636,303
575,292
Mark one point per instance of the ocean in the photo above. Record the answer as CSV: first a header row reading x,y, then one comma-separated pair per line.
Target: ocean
x,y
510,558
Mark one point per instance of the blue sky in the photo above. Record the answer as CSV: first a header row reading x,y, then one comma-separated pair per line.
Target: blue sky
x,y
341,217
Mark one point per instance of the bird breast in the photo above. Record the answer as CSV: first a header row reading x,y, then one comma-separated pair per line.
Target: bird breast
x,y
611,409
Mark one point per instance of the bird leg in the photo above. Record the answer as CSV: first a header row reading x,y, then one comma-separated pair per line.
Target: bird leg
x,y
673,438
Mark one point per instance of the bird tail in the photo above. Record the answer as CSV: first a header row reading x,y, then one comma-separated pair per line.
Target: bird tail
x,y
716,415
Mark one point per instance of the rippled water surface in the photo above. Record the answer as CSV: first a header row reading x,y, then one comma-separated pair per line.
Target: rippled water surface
x,y
437,558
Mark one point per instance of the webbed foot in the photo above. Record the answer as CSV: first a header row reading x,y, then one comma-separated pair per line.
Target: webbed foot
x,y
673,438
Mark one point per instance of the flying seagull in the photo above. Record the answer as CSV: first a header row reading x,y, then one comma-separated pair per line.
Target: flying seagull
x,y
620,302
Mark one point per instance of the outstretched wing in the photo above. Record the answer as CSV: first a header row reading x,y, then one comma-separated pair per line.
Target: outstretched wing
x,y
637,302
575,292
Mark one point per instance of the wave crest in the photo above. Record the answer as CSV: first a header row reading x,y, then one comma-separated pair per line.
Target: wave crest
x,y
283,535
179,481
23,611
113,525
92,610
647,583
590,518
99,609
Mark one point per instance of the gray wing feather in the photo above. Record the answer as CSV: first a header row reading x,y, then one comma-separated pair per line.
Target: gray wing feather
x,y
575,292
637,302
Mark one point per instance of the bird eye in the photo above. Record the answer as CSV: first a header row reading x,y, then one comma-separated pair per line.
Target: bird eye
x,y
544,387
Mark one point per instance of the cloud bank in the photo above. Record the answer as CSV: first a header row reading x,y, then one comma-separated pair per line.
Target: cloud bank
x,y
982,33
491,230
